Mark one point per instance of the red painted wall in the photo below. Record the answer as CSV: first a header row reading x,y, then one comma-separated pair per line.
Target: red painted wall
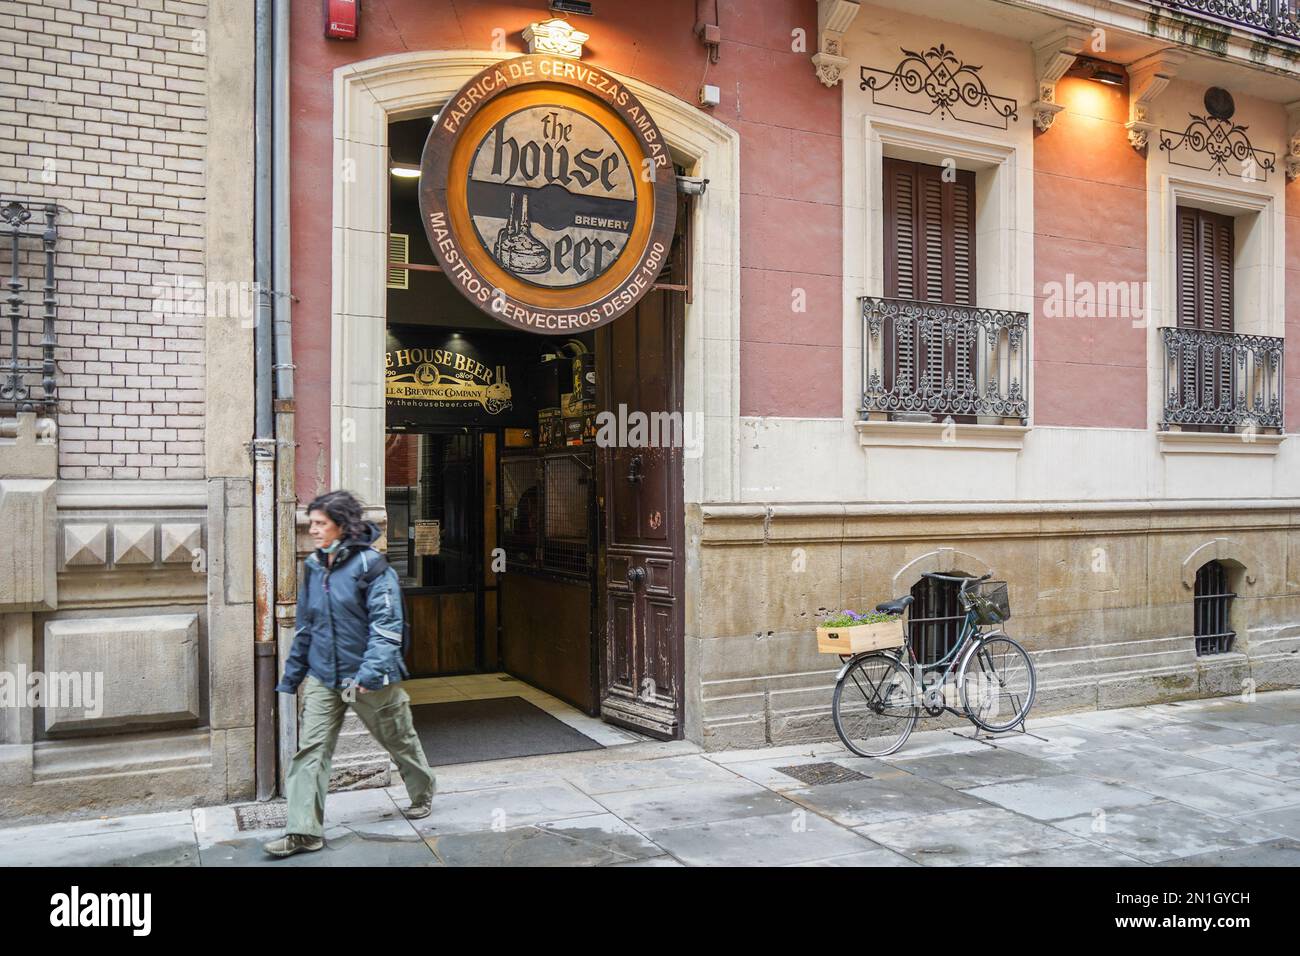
x,y
1089,221
790,163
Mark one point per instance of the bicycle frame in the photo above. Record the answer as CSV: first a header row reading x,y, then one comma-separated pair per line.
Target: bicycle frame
x,y
967,638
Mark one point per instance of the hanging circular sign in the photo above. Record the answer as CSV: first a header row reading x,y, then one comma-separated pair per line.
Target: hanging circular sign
x,y
548,195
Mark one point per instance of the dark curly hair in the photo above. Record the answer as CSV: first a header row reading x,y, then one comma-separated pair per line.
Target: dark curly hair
x,y
344,510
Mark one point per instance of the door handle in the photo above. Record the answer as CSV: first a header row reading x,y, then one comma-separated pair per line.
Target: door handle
x,y
635,577
634,474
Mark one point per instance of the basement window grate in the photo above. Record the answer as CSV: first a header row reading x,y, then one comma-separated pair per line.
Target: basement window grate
x,y
822,774
261,816
1212,603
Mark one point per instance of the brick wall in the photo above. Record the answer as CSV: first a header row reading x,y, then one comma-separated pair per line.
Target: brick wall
x,y
103,110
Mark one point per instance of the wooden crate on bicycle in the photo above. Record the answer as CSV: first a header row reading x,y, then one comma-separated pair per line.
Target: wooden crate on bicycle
x,y
856,638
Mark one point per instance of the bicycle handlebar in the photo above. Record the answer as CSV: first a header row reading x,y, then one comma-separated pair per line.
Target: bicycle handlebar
x,y
963,580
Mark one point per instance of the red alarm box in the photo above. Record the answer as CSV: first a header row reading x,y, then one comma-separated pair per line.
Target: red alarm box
x,y
341,19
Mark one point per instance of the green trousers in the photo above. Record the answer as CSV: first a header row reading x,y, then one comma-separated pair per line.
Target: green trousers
x,y
386,714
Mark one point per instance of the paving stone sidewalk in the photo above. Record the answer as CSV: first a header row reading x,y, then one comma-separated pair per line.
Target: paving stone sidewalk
x,y
1213,782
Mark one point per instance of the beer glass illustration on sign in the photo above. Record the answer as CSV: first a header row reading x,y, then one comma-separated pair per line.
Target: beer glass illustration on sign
x,y
551,196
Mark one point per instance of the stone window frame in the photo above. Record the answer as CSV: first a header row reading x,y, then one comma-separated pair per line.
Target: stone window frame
x,y
1004,260
1259,238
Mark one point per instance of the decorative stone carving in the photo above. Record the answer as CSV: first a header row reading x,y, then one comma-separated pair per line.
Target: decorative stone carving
x,y
1148,78
833,18
85,545
1292,140
180,541
133,544
1053,55
556,37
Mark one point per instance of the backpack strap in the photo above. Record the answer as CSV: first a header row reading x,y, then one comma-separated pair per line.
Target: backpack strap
x,y
377,567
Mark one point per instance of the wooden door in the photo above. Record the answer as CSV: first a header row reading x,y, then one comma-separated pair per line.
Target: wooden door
x,y
641,670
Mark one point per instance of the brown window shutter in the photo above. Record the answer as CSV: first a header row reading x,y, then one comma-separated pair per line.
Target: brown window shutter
x,y
929,233
1204,270
900,229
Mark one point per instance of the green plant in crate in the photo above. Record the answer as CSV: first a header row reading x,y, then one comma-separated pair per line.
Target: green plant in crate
x,y
853,618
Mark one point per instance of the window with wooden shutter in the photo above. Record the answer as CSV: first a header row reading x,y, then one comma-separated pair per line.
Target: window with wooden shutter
x,y
929,233
1205,264
1204,267
929,257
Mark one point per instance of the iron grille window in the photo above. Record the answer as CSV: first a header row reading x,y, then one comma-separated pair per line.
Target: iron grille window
x,y
1212,603
27,370
521,511
547,505
934,619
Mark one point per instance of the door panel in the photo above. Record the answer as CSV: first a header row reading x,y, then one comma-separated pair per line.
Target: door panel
x,y
641,659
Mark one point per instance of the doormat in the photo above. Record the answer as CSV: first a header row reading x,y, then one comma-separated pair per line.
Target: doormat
x,y
493,728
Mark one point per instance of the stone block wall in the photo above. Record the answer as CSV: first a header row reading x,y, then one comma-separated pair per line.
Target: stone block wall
x,y
1101,598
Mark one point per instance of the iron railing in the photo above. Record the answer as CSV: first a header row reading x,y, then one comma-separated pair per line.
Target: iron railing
x,y
933,359
27,383
1279,19
1222,379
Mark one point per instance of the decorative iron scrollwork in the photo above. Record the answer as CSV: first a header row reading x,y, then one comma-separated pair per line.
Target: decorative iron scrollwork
x,y
940,359
940,79
1224,146
1223,379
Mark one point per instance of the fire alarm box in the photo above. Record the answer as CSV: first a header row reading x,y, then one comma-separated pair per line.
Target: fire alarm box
x,y
341,19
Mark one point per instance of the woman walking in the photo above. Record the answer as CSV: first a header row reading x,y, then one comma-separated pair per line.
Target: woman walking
x,y
348,648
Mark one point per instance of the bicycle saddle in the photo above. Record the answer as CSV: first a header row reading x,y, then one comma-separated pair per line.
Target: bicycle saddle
x,y
896,606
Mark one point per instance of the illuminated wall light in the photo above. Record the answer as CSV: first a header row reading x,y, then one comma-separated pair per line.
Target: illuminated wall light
x,y
404,170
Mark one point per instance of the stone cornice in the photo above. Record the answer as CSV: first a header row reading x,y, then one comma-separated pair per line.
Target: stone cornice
x,y
1191,33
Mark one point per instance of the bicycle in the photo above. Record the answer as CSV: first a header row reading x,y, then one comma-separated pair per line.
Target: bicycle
x,y
993,672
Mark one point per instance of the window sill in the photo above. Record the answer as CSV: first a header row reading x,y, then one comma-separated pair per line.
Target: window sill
x,y
885,434
1217,443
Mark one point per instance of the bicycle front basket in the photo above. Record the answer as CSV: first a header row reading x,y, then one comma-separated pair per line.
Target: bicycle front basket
x,y
990,602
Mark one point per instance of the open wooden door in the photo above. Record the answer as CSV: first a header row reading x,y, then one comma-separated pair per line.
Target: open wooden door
x,y
641,672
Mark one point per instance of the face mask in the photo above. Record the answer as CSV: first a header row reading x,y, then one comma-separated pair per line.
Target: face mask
x,y
332,546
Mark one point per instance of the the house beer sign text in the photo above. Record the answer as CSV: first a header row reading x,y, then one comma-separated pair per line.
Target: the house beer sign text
x,y
548,195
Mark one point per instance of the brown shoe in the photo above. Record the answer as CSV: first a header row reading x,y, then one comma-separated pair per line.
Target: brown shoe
x,y
292,843
418,811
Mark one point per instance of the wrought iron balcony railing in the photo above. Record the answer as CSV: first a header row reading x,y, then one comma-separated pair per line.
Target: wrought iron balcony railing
x,y
1222,379
1279,19
27,382
932,359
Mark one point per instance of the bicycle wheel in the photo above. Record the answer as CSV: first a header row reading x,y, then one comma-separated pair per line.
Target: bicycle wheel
x,y
997,683
874,708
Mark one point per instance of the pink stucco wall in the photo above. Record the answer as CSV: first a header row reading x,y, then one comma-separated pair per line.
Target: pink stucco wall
x,y
1089,221
789,126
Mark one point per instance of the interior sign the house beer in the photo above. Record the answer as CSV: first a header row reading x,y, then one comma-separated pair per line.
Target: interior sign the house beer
x,y
438,377
548,194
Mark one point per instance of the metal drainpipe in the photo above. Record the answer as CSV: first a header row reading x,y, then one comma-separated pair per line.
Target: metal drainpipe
x,y
286,516
264,645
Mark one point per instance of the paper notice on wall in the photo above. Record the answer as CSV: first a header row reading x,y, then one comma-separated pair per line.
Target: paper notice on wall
x,y
428,538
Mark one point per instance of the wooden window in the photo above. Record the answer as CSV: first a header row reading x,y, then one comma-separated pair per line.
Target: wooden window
x,y
1204,287
1212,602
929,233
929,257
1205,261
